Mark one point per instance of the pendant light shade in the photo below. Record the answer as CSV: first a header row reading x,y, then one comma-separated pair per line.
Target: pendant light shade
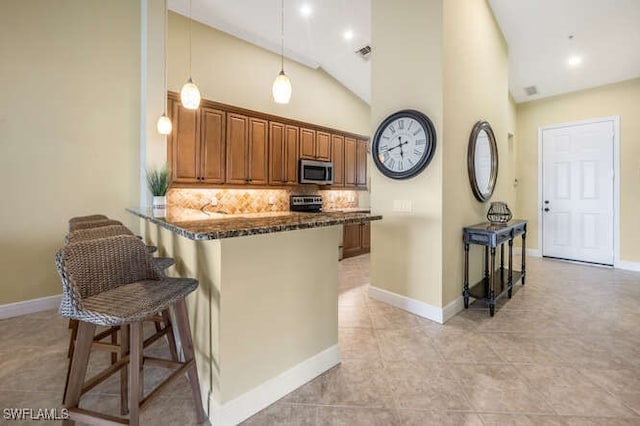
x,y
164,125
190,95
281,85
282,89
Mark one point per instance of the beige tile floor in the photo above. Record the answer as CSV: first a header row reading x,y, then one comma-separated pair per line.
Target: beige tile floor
x,y
564,351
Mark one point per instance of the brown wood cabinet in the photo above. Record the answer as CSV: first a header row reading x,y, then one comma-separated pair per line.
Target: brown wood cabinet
x,y
361,163
220,144
350,161
337,157
246,150
197,144
283,154
315,145
356,239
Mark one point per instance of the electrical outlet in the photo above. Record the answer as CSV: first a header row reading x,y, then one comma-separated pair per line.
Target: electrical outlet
x,y
332,197
272,200
214,201
402,206
350,198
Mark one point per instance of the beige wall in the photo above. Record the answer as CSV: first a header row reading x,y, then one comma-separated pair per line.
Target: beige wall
x,y
476,79
406,72
622,99
69,129
231,71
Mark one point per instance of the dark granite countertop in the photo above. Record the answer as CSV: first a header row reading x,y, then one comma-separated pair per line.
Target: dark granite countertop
x,y
196,225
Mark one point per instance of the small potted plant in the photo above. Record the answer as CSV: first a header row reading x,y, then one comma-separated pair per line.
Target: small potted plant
x,y
159,181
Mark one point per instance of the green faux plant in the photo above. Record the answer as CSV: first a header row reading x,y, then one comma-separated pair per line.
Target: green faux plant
x,y
159,181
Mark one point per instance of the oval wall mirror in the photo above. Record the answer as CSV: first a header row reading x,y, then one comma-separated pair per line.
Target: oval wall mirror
x,y
482,161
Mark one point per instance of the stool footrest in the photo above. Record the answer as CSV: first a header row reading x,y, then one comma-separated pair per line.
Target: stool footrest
x,y
183,369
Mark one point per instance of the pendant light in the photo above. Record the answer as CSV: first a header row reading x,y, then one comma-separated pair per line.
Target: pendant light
x,y
164,125
190,94
281,85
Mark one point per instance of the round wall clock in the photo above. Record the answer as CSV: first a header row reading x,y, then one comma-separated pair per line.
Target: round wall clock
x,y
404,144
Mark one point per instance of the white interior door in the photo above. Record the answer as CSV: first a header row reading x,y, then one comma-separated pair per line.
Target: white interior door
x,y
577,192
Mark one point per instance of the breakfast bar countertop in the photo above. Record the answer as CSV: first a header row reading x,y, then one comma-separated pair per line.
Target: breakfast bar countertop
x,y
196,225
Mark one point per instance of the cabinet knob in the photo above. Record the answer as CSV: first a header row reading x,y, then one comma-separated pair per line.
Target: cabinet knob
x,y
546,209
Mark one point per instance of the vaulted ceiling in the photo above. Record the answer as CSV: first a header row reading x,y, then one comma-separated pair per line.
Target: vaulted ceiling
x,y
600,37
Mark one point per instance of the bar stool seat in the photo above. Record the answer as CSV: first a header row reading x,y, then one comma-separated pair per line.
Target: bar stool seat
x,y
134,301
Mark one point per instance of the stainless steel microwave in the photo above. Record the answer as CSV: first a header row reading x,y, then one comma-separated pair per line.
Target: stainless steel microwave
x,y
318,172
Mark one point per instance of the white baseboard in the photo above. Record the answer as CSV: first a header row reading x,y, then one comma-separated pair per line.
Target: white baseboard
x,y
29,306
452,309
627,266
249,403
422,309
534,252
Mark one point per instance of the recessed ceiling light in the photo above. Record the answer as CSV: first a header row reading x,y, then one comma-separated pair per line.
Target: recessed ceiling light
x,y
305,10
348,35
574,60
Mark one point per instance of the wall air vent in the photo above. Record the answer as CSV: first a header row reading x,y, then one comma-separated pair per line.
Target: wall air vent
x,y
364,52
531,90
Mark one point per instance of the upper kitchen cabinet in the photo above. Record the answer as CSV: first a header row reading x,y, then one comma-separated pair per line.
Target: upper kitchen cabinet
x,y
361,163
196,145
246,150
355,162
337,157
315,145
283,154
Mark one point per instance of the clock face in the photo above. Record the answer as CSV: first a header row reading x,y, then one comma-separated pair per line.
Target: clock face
x,y
404,144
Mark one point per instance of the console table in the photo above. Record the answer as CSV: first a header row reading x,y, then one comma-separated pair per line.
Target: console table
x,y
493,285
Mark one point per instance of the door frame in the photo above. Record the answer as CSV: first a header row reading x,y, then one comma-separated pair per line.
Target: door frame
x,y
616,180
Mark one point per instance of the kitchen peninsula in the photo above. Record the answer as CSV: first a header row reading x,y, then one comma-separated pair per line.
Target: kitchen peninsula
x,y
265,316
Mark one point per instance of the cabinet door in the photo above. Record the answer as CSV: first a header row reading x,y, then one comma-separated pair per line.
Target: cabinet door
x,y
351,241
258,137
237,155
350,161
184,144
276,153
366,237
307,143
337,157
361,163
291,155
212,145
323,146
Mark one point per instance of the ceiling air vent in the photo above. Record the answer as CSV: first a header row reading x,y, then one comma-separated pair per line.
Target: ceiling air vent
x,y
364,52
531,90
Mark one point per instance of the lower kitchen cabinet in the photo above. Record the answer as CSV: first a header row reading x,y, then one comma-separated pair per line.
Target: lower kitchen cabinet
x,y
356,239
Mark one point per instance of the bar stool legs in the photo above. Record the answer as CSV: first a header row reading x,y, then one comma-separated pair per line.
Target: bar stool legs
x,y
132,352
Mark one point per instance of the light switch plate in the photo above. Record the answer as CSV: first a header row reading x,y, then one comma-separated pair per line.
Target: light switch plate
x,y
402,206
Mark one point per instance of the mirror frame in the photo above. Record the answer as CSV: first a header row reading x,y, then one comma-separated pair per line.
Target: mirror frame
x,y
471,153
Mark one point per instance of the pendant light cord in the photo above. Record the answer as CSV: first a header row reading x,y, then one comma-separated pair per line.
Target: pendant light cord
x,y
282,35
189,39
164,52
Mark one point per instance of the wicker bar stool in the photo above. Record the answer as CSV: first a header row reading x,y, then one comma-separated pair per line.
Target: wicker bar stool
x,y
162,322
114,282
89,218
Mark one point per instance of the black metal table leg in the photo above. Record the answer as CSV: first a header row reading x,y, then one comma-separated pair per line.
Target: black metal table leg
x,y
501,266
492,291
465,292
524,254
510,283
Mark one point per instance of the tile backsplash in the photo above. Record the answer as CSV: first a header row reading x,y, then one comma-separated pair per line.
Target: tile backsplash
x,y
234,201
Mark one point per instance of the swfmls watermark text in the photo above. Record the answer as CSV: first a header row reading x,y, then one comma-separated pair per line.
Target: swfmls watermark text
x,y
35,413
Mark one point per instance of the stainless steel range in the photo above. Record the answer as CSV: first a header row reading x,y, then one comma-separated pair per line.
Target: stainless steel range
x,y
305,203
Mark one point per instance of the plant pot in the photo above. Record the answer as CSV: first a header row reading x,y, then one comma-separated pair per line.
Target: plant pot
x,y
159,206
